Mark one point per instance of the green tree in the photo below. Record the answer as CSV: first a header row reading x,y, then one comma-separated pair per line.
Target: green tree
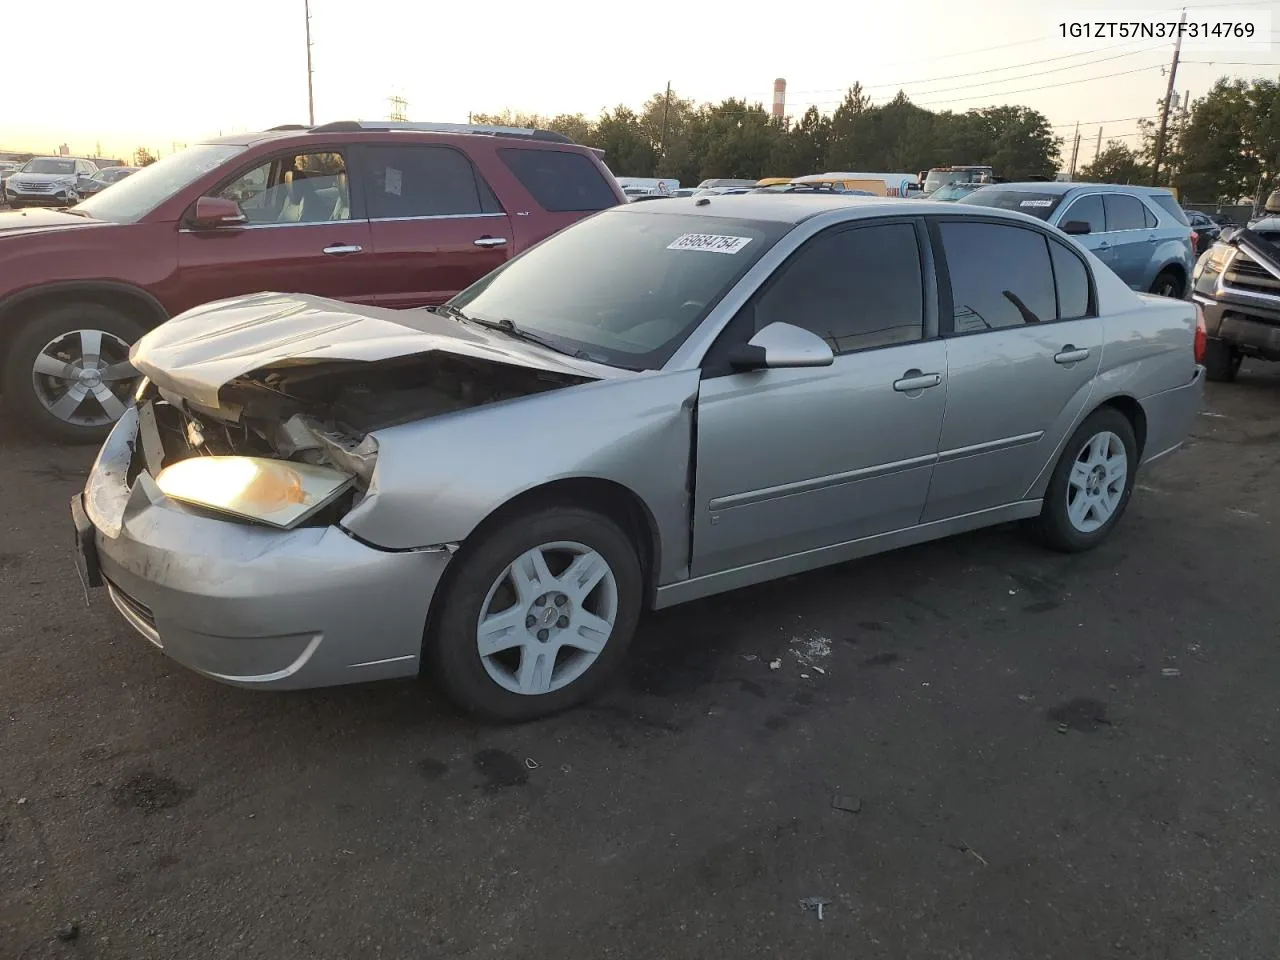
x,y
1116,163
626,145
142,157
843,148
1022,143
1230,147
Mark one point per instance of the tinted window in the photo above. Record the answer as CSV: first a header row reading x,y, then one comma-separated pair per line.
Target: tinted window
x,y
1038,204
137,195
855,288
1170,206
423,181
626,287
1072,280
560,180
1123,212
1000,276
49,165
1089,210
1148,218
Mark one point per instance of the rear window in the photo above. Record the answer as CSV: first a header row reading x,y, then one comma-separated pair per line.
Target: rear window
x,y
1170,206
560,180
1033,202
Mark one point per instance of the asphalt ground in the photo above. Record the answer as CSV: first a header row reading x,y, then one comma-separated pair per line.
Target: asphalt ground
x,y
970,749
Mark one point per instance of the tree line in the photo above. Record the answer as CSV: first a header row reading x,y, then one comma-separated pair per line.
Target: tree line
x,y
1224,148
671,136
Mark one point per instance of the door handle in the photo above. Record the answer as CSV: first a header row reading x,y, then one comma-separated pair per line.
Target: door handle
x,y
342,249
1071,354
491,242
914,380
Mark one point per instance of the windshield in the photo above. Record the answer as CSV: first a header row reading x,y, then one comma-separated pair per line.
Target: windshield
x,y
624,289
1033,202
953,191
138,194
49,165
940,178
112,174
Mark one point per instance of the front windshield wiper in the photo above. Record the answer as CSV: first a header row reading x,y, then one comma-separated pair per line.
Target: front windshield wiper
x,y
508,326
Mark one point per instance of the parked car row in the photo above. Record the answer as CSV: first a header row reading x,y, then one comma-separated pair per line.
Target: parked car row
x,y
658,403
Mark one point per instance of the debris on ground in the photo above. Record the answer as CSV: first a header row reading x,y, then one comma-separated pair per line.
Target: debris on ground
x,y
1170,672
965,848
815,904
847,804
810,650
775,664
531,763
68,933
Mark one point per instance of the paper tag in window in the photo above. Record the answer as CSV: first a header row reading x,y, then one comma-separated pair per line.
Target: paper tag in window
x,y
391,183
1036,203
708,242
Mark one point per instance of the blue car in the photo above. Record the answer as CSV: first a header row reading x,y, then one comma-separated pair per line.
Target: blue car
x,y
1141,233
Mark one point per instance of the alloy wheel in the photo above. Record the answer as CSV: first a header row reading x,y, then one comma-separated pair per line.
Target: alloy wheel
x,y
1096,483
84,377
547,618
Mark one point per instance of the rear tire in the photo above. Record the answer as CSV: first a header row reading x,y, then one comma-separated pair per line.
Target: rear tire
x,y
1087,494
32,383
538,663
1221,362
1168,284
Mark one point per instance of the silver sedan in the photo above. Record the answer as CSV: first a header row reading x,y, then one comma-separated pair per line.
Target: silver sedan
x,y
662,402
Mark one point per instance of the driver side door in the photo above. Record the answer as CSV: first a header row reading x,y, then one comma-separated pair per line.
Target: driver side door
x,y
795,460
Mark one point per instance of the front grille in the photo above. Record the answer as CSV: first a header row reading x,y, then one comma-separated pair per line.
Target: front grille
x,y
1248,275
35,187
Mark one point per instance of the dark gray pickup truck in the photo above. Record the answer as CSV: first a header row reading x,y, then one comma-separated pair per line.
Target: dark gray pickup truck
x,y
1237,285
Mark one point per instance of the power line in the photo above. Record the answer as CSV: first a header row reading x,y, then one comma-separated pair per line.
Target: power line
x,y
1233,63
1090,123
1013,66
1050,86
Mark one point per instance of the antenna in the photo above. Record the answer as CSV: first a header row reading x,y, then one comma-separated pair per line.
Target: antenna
x,y
311,102
399,108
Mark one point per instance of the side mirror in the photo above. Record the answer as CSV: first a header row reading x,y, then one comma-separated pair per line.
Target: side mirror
x,y
1076,228
780,346
213,212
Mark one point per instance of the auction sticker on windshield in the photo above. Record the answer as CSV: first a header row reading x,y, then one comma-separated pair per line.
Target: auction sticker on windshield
x,y
709,242
1036,203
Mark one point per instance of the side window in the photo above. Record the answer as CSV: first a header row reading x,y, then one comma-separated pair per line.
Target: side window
x,y
1071,277
1169,205
560,180
1088,209
1149,219
423,181
1123,212
305,188
856,288
1000,276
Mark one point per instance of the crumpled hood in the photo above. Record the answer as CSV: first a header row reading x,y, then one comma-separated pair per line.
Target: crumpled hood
x,y
197,352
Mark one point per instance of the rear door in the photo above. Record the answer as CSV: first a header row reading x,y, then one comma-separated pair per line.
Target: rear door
x,y
790,460
436,225
1088,209
1023,346
565,185
303,235
1131,229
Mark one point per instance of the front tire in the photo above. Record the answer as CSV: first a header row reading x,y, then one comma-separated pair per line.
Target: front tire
x,y
66,375
538,614
1091,485
1221,362
1168,284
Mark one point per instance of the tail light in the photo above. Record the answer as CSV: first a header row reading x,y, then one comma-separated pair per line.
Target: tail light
x,y
1202,337
1195,240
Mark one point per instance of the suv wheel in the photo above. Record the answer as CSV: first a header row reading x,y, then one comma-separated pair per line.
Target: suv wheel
x,y
1221,363
1167,284
67,376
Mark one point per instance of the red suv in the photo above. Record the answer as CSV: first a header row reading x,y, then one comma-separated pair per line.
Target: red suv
x,y
386,214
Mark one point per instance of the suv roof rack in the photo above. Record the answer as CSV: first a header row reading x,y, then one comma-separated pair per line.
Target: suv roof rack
x,y
354,126
288,126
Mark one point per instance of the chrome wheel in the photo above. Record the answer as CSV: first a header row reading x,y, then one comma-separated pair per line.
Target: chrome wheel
x,y
1096,483
547,618
84,377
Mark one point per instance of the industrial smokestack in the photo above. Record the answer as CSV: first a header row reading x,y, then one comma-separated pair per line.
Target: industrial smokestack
x,y
779,98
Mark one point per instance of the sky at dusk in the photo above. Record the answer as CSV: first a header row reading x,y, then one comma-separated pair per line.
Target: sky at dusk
x,y
157,73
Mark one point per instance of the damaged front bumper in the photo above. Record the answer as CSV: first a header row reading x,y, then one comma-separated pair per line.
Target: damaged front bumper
x,y
247,604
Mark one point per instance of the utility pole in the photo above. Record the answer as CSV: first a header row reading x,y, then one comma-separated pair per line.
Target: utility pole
x,y
1097,147
666,112
311,102
1075,152
1168,100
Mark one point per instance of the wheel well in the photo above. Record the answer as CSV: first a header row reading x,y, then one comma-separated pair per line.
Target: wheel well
x,y
1176,269
128,300
1137,418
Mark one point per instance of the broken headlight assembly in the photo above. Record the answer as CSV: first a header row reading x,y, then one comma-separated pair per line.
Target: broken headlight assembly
x,y
277,493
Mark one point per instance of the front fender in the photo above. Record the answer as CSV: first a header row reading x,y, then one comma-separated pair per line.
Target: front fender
x,y
436,480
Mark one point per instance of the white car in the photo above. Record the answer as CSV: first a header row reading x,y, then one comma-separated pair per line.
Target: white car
x,y
48,182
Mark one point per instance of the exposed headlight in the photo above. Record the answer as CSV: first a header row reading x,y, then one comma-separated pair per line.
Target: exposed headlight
x,y
275,492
